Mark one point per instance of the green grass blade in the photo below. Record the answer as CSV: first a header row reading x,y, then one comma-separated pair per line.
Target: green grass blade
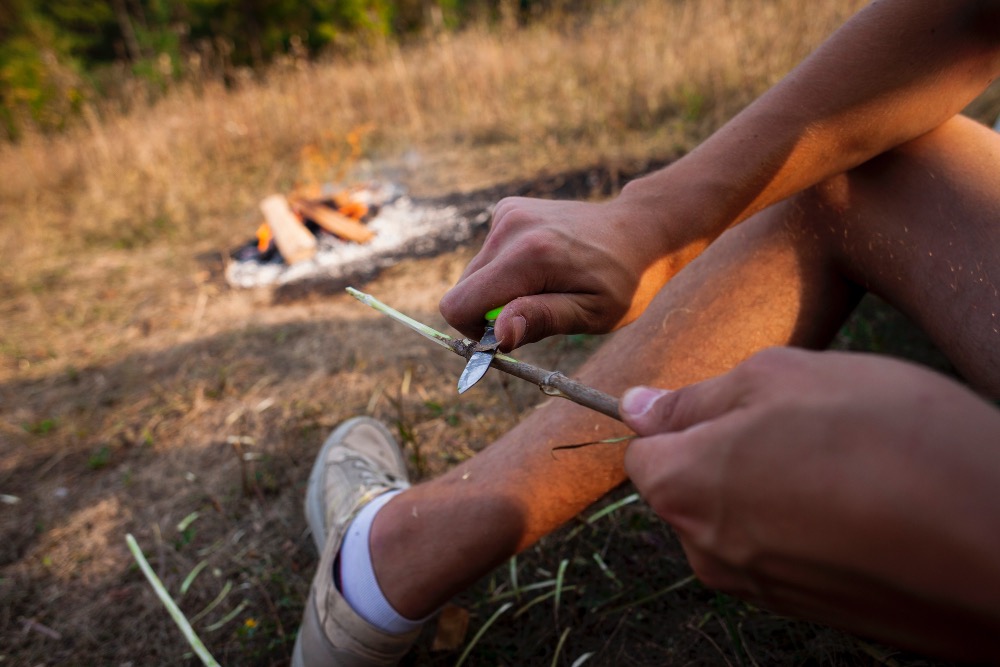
x,y
559,646
187,521
607,570
613,507
672,587
482,631
214,603
525,589
228,617
512,566
161,592
195,571
560,576
538,600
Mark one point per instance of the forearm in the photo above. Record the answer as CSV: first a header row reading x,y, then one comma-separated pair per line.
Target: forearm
x,y
896,70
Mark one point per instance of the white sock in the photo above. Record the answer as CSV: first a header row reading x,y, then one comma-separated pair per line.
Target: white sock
x,y
358,584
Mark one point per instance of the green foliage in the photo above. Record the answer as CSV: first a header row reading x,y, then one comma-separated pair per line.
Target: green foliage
x,y
55,54
38,80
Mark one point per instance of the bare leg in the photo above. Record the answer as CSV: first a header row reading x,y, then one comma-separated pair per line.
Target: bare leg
x,y
781,278
761,285
920,227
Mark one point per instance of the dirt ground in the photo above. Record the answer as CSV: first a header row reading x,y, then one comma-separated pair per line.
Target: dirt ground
x,y
187,414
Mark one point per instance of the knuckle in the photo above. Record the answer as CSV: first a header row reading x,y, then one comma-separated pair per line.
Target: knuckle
x,y
542,246
459,308
661,506
723,569
784,357
662,496
677,409
450,306
711,571
512,228
498,215
539,314
504,205
766,359
764,365
507,202
789,364
594,314
508,213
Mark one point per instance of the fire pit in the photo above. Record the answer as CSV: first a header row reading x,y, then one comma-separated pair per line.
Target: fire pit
x,y
392,224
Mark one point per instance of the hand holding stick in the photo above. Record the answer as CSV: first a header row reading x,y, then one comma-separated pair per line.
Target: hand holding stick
x,y
552,383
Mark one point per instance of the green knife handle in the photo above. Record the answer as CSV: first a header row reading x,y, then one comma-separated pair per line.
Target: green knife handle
x,y
492,316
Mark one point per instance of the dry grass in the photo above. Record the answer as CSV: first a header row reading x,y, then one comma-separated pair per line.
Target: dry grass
x,y
185,175
126,366
548,94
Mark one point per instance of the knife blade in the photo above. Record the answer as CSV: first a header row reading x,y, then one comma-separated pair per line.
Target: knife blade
x,y
481,359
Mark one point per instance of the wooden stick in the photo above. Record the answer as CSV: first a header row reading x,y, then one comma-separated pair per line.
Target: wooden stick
x,y
552,383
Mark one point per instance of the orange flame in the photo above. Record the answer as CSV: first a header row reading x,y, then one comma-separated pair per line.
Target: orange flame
x,y
264,237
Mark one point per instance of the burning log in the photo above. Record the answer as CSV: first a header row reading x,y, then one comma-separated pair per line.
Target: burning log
x,y
333,221
294,241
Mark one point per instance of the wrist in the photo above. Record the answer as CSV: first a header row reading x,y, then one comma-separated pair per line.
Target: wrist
x,y
654,230
686,211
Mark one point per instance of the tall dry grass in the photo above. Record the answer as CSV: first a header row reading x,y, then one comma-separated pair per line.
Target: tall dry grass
x,y
666,71
134,192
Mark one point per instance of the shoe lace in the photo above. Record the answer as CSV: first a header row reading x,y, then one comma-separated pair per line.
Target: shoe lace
x,y
368,479
368,475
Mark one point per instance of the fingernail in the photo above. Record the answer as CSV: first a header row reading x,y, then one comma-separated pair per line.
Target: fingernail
x,y
637,400
519,325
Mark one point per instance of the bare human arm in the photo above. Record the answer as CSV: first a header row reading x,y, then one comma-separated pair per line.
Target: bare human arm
x,y
844,488
896,70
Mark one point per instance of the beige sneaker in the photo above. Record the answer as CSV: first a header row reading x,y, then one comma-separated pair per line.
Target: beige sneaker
x,y
358,462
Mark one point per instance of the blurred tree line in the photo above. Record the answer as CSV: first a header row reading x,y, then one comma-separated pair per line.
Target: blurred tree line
x,y
57,55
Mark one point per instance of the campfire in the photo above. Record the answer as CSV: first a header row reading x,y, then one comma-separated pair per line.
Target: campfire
x,y
336,234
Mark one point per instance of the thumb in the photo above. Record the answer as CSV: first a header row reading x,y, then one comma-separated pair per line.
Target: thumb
x,y
528,319
649,411
646,410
